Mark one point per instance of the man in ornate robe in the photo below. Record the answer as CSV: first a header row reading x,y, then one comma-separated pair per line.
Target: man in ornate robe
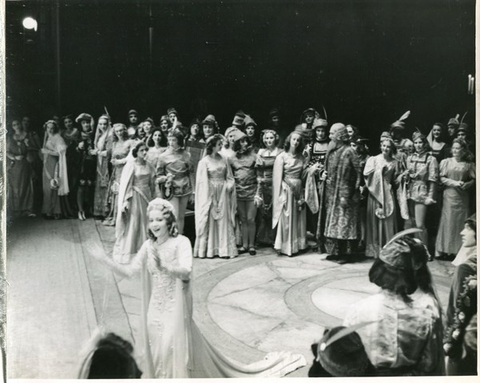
x,y
340,200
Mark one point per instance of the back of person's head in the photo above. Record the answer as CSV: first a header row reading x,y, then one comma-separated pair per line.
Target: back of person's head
x,y
402,267
340,353
110,358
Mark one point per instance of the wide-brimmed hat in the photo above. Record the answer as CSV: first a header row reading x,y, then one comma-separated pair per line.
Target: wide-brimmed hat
x,y
84,117
400,123
319,123
209,120
454,121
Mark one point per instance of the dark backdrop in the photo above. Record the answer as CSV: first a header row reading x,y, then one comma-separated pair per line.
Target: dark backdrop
x,y
367,62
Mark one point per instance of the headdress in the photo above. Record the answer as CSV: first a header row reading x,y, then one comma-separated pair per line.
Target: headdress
x,y
454,121
303,130
239,118
171,110
249,121
418,135
238,134
132,111
160,204
385,135
319,123
400,123
363,141
274,112
150,120
472,220
164,118
84,116
393,253
209,120
463,127
341,351
230,130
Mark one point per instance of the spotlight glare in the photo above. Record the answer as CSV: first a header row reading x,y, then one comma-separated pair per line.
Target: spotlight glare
x,y
30,23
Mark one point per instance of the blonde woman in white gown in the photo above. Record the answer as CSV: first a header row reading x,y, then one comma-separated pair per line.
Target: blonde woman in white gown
x,y
170,344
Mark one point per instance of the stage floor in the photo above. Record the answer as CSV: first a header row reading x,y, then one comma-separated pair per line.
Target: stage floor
x,y
59,292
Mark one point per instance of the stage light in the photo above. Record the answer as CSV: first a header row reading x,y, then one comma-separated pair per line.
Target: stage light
x,y
30,23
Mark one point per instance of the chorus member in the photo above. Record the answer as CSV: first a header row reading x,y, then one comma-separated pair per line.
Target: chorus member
x,y
274,120
463,132
215,204
244,173
239,120
169,342
34,157
148,127
457,175
397,131
436,139
452,127
132,124
164,127
55,176
194,133
265,159
209,127
340,201
173,172
103,149
422,178
154,147
352,132
380,172
251,130
121,147
462,306
316,152
405,336
359,144
408,147
20,173
230,135
136,190
289,212
88,163
172,118
141,135
71,135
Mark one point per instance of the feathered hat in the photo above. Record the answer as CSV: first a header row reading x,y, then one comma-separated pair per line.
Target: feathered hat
x,y
400,123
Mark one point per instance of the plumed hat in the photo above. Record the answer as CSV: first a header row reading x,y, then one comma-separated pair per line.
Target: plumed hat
x,y
239,118
249,121
463,127
400,123
454,121
319,123
341,352
418,134
361,140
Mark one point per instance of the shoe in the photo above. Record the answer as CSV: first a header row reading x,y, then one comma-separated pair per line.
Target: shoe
x,y
31,215
81,216
252,251
332,257
48,216
242,250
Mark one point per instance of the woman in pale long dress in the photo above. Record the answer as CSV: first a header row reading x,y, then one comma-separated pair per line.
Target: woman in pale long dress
x,y
289,214
265,160
20,173
103,148
381,216
55,178
137,187
122,146
457,175
170,345
215,204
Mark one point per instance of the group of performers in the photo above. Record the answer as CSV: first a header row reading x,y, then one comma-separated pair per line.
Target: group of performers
x,y
245,188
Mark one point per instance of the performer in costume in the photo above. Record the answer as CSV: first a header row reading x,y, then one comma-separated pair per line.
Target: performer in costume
x,y
136,190
215,204
340,198
265,159
170,344
289,211
173,171
379,175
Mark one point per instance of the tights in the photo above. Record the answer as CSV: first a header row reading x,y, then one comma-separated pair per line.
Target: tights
x,y
418,212
180,206
247,212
